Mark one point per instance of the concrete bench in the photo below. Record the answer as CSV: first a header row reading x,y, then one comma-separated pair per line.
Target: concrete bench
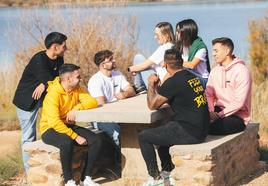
x,y
220,160
45,167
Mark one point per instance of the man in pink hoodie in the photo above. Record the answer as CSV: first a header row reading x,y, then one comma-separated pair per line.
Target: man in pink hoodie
x,y
228,90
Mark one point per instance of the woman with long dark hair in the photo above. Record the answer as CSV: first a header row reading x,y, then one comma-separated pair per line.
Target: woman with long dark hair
x,y
193,49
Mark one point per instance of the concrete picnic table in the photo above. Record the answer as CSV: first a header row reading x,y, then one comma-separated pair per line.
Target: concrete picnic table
x,y
133,116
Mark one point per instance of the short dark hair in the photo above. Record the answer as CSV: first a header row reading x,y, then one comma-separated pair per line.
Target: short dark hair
x,y
173,58
101,56
67,67
224,41
54,37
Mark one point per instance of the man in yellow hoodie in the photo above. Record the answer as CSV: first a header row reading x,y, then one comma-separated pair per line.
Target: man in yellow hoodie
x,y
64,97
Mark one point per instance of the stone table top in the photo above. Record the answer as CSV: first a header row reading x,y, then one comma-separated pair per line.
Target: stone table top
x,y
131,110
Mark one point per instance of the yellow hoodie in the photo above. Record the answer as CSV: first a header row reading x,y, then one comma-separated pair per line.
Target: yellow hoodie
x,y
58,103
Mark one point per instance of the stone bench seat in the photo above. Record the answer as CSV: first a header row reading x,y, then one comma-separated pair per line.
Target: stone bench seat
x,y
45,166
220,160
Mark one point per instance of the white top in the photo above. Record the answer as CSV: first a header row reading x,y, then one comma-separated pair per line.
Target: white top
x,y
201,68
101,85
157,57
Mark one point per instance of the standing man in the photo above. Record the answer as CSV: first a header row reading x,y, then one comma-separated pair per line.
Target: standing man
x,y
185,95
108,85
43,66
228,90
64,97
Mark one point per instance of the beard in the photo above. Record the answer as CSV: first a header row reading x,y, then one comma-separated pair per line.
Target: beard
x,y
113,67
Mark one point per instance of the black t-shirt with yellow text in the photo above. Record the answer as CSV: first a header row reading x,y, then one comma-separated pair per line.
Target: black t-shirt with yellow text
x,y
187,99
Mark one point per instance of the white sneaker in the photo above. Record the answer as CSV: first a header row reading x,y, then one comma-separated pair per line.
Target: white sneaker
x,y
168,180
70,183
152,182
89,182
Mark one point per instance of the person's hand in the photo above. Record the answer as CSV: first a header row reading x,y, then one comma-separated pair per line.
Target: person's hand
x,y
120,95
213,116
80,140
70,117
130,69
38,91
153,79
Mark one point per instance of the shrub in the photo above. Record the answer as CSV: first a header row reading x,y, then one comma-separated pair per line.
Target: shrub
x,y
258,40
87,32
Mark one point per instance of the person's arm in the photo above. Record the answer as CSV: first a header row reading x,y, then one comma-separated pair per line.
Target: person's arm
x,y
38,91
86,101
191,64
154,100
41,70
200,56
210,93
127,92
95,89
141,66
241,93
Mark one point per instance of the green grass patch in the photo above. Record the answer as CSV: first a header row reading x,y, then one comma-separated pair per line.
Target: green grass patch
x,y
11,165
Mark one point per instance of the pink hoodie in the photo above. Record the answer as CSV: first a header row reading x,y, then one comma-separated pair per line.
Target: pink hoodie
x,y
230,88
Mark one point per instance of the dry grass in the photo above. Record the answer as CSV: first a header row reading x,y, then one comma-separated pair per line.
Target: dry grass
x,y
258,39
11,165
87,33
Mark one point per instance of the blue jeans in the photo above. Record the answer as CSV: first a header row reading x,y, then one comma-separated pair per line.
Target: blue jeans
x,y
112,129
27,121
141,78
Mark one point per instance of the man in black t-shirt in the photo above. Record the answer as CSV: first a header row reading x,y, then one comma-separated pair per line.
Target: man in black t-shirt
x,y
43,67
189,125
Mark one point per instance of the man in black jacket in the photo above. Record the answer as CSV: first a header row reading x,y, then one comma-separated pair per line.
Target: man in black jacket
x,y
43,67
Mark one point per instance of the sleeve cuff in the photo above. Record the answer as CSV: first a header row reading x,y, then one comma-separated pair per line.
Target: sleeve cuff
x,y
221,114
74,135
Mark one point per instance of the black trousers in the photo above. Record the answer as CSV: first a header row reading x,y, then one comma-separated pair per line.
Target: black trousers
x,y
227,125
164,136
66,144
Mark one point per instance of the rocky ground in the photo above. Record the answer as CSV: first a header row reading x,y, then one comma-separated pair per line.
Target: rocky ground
x,y
9,141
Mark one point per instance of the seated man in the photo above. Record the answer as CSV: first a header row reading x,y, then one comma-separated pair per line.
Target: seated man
x,y
185,95
108,85
64,97
228,90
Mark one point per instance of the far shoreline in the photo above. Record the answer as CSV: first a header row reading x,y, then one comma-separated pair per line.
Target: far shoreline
x,y
59,3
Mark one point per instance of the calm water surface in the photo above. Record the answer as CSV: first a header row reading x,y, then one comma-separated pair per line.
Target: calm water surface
x,y
214,20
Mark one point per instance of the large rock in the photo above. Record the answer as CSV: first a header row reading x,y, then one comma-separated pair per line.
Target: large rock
x,y
221,160
45,166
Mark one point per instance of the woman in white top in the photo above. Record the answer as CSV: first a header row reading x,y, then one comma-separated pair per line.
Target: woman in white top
x,y
193,49
142,67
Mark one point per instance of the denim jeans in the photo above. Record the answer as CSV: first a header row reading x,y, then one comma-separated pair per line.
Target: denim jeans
x,y
141,78
112,129
27,121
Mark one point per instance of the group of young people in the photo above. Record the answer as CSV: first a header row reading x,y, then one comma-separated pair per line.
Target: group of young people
x,y
177,73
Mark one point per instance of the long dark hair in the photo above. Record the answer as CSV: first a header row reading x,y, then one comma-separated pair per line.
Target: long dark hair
x,y
186,33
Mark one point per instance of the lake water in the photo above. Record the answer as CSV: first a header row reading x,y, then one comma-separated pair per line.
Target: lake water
x,y
214,20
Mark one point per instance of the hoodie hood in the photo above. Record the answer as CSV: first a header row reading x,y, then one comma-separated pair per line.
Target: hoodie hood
x,y
234,62
224,70
55,86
